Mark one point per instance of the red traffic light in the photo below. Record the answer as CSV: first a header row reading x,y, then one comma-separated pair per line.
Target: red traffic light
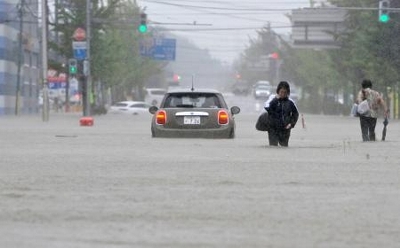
x,y
274,55
176,78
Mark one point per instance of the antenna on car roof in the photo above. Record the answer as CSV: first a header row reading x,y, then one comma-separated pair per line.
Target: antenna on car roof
x,y
192,89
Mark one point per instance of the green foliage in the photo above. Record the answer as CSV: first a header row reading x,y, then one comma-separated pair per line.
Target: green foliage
x,y
264,45
114,44
369,50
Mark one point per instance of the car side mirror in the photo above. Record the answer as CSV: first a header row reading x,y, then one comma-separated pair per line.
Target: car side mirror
x,y
153,109
235,110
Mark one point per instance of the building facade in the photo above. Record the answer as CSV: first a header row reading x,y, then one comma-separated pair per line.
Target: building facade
x,y
19,57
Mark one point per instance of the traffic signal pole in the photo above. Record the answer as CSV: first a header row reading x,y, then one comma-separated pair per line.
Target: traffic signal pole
x,y
20,54
46,108
88,82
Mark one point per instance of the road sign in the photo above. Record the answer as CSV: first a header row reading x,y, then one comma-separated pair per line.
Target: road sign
x,y
80,51
317,28
159,49
79,34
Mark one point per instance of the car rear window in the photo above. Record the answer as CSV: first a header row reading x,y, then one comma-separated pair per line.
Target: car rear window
x,y
263,87
157,92
138,105
191,100
121,104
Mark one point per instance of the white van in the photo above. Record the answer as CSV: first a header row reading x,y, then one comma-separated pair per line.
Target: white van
x,y
154,96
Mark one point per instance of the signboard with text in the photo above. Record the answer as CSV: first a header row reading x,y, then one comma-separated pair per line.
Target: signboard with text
x,y
317,28
80,50
158,48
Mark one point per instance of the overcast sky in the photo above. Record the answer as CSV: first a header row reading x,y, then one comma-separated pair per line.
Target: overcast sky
x,y
222,26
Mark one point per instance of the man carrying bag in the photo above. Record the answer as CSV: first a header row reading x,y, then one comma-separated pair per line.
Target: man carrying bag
x,y
369,104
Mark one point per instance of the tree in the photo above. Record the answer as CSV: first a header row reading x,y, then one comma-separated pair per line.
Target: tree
x,y
257,52
115,58
370,48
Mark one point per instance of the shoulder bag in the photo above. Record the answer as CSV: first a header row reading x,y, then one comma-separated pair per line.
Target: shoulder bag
x,y
262,123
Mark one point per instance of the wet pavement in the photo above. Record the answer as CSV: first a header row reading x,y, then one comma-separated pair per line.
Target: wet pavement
x,y
112,185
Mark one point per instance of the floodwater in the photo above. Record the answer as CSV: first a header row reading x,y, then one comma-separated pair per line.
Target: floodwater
x,y
112,185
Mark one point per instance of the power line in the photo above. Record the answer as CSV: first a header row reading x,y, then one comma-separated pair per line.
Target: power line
x,y
217,8
222,29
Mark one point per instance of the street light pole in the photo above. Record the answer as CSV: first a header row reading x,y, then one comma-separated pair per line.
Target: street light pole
x,y
45,110
20,54
88,75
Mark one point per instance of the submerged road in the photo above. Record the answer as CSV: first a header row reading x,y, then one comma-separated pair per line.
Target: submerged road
x,y
112,185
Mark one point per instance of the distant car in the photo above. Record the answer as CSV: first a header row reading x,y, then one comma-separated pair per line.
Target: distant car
x,y
130,107
262,91
154,95
262,82
197,113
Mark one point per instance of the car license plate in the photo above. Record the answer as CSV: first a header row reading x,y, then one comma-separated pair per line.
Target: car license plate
x,y
191,120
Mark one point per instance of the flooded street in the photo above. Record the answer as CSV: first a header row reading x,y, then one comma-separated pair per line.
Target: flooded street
x,y
112,185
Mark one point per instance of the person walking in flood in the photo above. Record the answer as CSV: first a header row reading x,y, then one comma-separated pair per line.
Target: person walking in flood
x,y
282,114
374,103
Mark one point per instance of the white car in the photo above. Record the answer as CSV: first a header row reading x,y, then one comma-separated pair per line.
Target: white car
x,y
130,107
154,95
262,91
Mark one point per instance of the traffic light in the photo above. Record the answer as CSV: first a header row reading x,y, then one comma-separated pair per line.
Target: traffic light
x,y
73,66
143,23
384,6
176,78
274,55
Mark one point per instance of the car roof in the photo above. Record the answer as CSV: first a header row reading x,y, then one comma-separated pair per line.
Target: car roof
x,y
189,90
150,89
263,82
130,102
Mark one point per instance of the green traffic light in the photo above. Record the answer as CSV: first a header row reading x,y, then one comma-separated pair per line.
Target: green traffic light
x,y
72,70
142,28
384,18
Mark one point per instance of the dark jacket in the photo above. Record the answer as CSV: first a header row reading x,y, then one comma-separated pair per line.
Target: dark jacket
x,y
282,112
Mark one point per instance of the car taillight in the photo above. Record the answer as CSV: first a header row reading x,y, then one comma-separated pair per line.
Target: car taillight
x,y
161,117
223,117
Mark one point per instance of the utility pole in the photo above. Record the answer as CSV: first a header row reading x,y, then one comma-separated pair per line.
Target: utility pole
x,y
88,75
45,110
20,53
